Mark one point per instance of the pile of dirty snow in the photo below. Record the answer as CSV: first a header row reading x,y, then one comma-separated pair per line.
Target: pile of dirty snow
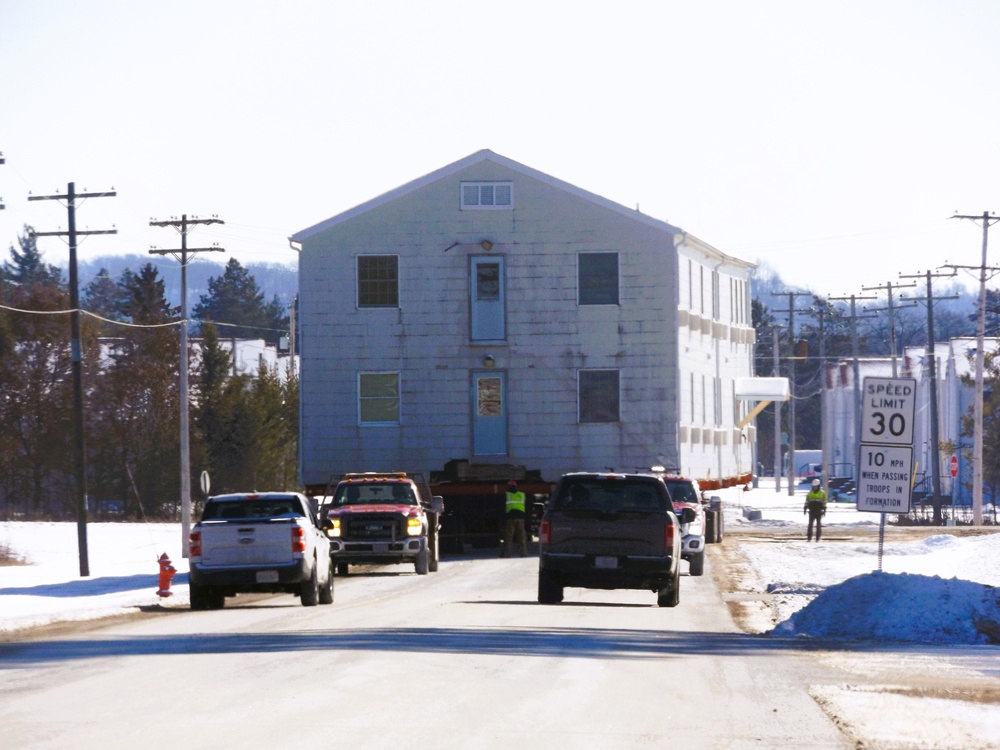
x,y
901,607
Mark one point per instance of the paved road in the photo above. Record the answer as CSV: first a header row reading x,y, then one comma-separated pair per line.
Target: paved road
x,y
463,658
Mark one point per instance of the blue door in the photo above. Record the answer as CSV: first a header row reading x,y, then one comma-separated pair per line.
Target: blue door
x,y
489,414
487,291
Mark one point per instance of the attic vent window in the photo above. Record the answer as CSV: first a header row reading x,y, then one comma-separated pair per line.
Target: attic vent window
x,y
486,196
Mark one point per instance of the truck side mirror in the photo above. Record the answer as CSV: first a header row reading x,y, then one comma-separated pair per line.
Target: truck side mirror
x,y
688,515
437,504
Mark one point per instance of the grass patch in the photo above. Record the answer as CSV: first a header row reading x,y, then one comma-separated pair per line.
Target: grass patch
x,y
9,557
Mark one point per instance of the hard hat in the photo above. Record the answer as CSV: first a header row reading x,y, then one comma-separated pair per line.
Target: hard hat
x,y
815,483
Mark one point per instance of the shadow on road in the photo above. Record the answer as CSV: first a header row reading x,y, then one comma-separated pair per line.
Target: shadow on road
x,y
591,643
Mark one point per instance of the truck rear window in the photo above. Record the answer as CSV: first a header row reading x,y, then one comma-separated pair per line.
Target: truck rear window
x,y
610,495
248,509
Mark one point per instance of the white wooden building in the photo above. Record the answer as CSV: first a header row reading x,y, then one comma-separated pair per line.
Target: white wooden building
x,y
490,313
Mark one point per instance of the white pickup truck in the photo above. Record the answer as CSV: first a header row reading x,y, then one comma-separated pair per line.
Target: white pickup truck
x,y
259,542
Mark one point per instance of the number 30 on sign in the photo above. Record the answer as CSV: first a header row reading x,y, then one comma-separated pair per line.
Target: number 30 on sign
x,y
887,411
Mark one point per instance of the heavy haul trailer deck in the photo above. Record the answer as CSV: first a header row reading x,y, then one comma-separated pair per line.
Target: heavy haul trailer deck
x,y
474,510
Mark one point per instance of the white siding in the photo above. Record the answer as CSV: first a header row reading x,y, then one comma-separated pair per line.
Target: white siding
x,y
549,336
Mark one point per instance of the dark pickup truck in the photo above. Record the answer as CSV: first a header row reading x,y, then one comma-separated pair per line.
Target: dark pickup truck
x,y
610,531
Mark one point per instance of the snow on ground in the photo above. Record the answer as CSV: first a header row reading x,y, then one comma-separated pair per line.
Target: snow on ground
x,y
123,571
941,588
936,589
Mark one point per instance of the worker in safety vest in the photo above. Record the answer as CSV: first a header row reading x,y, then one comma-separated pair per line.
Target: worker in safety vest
x,y
815,506
515,513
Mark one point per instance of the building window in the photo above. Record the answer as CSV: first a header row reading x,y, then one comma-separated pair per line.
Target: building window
x,y
378,281
378,398
487,196
599,396
598,278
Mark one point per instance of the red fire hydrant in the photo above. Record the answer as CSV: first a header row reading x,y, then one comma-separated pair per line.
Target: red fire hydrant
x,y
167,572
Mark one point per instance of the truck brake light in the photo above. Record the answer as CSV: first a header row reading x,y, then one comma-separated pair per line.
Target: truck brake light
x,y
668,540
298,539
195,543
543,533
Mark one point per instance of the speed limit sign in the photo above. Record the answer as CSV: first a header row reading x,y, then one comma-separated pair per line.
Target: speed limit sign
x,y
887,411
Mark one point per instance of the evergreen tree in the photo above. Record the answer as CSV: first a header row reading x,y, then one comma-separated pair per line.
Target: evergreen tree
x,y
104,298
991,425
234,299
211,416
26,267
36,450
136,404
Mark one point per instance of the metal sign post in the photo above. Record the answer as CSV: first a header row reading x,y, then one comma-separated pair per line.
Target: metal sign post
x,y
885,456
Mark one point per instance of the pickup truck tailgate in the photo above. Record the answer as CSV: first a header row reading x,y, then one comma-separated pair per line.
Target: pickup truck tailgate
x,y
632,533
239,542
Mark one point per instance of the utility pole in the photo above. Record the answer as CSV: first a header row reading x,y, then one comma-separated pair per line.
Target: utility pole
x,y
820,309
183,225
977,439
76,356
932,363
777,416
791,384
856,371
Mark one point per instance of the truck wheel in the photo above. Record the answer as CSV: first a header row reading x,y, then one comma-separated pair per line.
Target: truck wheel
x,y
671,595
199,597
550,590
697,564
342,569
326,591
216,599
310,590
423,562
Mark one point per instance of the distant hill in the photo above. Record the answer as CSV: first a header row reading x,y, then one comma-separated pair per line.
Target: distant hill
x,y
272,278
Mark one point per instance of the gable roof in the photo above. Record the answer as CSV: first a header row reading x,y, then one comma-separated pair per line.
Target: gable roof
x,y
477,157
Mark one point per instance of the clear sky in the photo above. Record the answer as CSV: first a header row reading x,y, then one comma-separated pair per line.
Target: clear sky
x,y
829,139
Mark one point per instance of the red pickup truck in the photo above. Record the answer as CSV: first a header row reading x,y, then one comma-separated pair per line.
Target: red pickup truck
x,y
383,518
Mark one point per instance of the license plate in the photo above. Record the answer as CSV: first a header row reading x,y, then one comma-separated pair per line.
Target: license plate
x,y
267,576
380,548
605,562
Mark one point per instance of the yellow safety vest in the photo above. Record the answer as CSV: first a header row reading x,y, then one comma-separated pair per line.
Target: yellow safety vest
x,y
515,501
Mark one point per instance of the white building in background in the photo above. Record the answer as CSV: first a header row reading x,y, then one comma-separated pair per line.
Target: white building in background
x,y
955,400
249,355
